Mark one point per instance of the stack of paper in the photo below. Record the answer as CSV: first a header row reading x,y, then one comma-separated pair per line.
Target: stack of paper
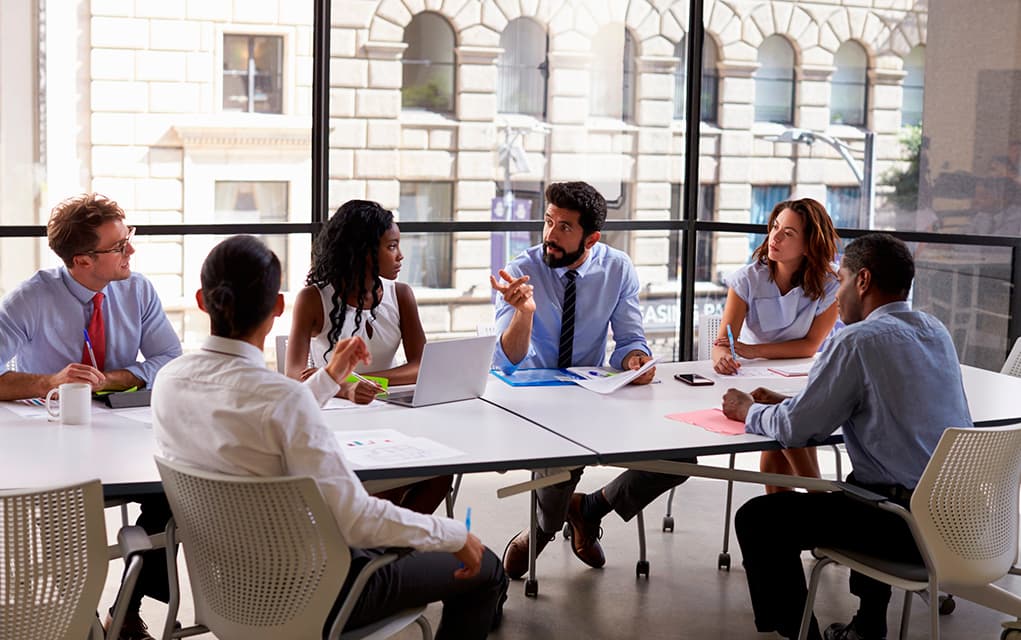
x,y
604,380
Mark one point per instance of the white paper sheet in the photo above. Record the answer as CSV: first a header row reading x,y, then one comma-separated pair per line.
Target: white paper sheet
x,y
605,380
138,414
338,404
388,447
747,371
27,409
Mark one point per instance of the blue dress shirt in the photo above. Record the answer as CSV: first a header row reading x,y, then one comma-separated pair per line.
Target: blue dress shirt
x,y
606,297
42,319
892,382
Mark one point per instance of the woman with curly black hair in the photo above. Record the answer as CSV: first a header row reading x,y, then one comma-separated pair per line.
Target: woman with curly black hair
x,y
352,291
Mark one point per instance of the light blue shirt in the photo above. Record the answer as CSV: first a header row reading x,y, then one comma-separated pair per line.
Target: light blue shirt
x,y
42,319
773,317
606,296
892,382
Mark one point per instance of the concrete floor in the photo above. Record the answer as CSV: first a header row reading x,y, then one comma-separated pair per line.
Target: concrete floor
x,y
685,596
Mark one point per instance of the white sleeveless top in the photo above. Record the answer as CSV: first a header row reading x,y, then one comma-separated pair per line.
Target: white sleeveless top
x,y
386,330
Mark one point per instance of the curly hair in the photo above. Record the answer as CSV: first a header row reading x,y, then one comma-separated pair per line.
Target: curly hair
x,y
583,198
820,246
344,253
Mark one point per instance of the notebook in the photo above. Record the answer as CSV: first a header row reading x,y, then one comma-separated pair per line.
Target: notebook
x,y
451,370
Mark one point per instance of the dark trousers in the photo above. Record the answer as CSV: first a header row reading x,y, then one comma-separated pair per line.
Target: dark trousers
x,y
628,493
152,581
774,529
470,607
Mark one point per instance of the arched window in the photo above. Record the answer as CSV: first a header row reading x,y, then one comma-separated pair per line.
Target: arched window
x,y
914,87
428,64
710,79
523,68
613,74
774,81
849,86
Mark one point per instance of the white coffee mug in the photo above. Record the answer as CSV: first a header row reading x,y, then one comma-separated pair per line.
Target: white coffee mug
x,y
75,403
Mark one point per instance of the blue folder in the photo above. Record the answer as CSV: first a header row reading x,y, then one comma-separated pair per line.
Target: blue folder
x,y
536,377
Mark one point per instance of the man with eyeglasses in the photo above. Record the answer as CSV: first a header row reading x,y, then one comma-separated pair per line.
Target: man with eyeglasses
x,y
87,322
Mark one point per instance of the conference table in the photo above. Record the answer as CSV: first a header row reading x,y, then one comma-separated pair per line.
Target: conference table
x,y
508,428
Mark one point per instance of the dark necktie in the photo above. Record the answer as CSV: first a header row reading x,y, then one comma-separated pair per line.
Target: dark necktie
x,y
567,323
97,334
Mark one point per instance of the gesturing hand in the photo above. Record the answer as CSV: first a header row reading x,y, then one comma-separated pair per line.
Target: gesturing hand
x,y
517,293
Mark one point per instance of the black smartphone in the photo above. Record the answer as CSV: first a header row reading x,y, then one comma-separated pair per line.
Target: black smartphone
x,y
693,379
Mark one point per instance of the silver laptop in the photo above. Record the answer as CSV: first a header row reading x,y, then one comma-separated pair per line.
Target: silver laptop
x,y
451,370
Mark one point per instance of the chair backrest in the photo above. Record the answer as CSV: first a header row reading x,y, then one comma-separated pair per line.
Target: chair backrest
x,y
1012,367
53,548
265,557
966,504
708,329
281,346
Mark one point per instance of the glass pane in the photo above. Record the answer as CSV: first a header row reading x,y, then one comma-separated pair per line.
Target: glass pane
x,y
774,81
914,87
428,74
849,86
522,69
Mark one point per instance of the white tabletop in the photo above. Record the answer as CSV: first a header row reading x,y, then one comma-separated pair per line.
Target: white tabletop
x,y
631,423
119,450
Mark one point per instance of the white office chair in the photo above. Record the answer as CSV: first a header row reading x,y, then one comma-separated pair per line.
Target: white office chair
x,y
1012,367
281,347
53,548
964,519
265,559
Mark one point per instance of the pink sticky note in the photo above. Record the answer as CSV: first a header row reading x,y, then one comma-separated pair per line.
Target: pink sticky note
x,y
710,420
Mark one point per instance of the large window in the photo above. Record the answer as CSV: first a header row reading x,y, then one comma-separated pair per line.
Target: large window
x,y
844,207
704,260
253,73
523,68
764,198
428,64
710,80
913,87
612,80
848,96
427,257
774,81
240,202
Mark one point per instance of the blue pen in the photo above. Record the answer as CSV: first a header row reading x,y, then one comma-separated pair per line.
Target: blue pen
x,y
730,338
468,519
88,344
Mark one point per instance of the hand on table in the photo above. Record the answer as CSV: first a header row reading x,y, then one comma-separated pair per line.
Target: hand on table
x,y
763,395
517,293
470,556
76,372
364,392
736,404
723,360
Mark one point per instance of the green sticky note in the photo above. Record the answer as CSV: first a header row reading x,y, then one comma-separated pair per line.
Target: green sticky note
x,y
383,382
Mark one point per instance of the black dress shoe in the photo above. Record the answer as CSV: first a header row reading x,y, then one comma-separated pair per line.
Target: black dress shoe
x,y
134,628
515,556
585,535
840,631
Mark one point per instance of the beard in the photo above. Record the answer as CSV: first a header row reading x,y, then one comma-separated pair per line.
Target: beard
x,y
565,260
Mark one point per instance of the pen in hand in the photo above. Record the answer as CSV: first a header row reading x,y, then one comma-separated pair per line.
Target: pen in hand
x,y
88,345
730,339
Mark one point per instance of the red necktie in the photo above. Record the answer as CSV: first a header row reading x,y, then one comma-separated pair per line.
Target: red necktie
x,y
97,334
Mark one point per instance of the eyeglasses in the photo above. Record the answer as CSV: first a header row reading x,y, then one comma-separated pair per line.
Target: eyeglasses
x,y
121,247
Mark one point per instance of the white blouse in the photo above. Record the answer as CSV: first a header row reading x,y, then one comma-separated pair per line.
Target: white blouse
x,y
386,330
773,317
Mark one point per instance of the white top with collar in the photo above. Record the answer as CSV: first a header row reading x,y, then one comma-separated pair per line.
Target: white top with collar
x,y
220,409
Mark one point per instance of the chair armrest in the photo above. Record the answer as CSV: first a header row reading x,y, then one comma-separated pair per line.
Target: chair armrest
x,y
132,541
861,495
392,554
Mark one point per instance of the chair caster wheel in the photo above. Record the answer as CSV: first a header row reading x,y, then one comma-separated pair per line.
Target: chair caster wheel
x,y
668,523
947,604
723,561
642,569
531,588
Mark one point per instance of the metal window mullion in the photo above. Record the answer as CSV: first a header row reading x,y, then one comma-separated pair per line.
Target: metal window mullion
x,y
692,140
